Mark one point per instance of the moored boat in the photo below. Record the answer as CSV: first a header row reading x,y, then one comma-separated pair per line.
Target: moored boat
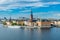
x,y
14,26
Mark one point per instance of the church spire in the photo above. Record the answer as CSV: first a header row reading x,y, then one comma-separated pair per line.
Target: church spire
x,y
31,16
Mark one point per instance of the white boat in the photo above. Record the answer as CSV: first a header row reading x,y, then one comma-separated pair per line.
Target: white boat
x,y
14,26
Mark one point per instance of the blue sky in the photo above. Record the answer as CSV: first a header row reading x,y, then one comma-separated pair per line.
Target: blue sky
x,y
22,8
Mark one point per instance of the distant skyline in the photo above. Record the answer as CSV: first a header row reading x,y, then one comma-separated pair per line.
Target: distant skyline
x,y
22,8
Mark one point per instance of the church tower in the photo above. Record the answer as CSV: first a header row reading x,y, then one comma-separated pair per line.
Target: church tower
x,y
31,16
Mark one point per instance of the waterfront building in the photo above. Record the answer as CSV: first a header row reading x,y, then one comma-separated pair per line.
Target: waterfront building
x,y
44,23
38,22
20,22
14,21
57,23
8,23
32,21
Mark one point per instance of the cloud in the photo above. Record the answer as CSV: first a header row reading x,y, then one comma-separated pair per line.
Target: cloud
x,y
52,3
57,15
12,4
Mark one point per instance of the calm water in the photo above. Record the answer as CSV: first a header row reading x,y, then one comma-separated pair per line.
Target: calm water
x,y
29,34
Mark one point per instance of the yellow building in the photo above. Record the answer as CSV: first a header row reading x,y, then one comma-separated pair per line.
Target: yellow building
x,y
21,22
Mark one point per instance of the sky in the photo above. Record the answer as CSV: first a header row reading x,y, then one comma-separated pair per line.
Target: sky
x,y
22,8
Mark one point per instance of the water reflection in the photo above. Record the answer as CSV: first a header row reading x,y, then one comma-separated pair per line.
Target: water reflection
x,y
38,34
29,34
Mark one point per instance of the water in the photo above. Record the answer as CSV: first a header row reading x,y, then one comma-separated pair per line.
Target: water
x,y
29,34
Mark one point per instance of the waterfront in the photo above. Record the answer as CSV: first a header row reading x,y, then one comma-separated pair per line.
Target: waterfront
x,y
29,34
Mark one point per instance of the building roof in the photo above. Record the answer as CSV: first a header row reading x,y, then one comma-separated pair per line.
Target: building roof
x,y
45,20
